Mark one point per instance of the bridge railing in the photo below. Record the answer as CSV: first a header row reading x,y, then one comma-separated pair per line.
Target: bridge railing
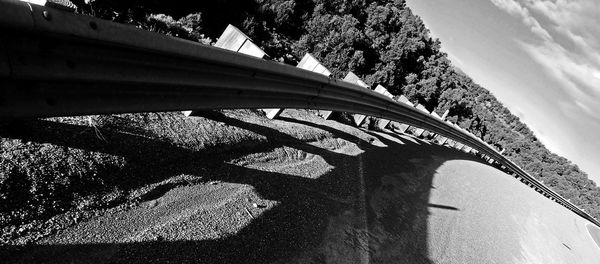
x,y
55,63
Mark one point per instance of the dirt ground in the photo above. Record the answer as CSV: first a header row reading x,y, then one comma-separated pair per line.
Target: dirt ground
x,y
305,190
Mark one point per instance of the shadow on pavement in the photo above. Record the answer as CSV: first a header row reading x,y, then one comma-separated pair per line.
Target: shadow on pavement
x,y
440,206
371,207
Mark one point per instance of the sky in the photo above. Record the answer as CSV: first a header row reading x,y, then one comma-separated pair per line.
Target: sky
x,y
540,58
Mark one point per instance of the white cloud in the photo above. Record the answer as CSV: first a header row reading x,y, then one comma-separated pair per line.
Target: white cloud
x,y
578,80
573,14
584,107
576,68
510,7
517,10
578,21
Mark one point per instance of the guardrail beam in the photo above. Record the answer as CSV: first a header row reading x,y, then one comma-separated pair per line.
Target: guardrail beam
x,y
78,65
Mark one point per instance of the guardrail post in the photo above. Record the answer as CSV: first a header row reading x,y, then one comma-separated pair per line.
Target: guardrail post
x,y
235,40
438,138
383,123
454,143
308,63
474,151
467,149
399,127
449,140
354,79
445,115
419,131
460,145
442,140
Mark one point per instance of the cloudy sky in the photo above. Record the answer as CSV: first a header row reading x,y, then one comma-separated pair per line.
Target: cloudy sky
x,y
540,58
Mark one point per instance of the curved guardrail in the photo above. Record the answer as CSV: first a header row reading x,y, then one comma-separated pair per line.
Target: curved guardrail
x,y
54,63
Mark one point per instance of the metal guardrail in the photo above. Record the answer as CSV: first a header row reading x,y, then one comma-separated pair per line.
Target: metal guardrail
x,y
54,63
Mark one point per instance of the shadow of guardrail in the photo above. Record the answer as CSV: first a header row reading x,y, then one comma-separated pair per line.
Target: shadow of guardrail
x,y
379,214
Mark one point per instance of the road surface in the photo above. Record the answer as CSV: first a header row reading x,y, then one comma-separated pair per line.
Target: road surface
x,y
361,197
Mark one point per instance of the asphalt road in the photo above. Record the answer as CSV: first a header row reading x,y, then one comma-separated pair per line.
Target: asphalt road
x,y
364,197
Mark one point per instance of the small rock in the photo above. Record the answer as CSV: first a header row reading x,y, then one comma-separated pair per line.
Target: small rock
x,y
255,205
152,204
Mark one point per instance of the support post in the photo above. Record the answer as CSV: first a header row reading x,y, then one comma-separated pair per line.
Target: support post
x,y
235,40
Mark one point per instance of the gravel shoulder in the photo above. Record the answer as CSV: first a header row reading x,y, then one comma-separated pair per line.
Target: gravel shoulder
x,y
314,191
